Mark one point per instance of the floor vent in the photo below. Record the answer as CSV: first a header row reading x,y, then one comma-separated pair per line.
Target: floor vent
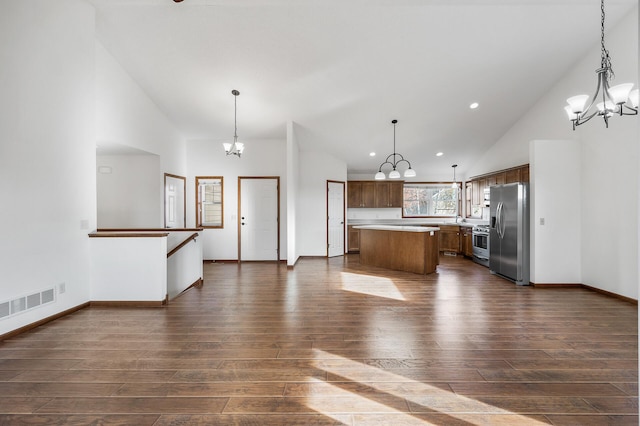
x,y
9,308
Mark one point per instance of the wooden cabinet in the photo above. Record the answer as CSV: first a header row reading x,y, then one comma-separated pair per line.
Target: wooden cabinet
x,y
524,173
477,191
372,194
467,241
361,194
512,176
388,194
479,183
449,238
353,239
410,251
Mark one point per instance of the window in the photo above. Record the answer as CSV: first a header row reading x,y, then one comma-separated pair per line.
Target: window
x,y
209,206
430,200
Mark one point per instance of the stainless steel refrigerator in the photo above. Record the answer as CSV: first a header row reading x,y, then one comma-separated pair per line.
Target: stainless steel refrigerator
x,y
509,232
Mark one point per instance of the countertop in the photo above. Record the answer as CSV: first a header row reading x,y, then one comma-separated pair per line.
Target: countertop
x,y
398,228
412,222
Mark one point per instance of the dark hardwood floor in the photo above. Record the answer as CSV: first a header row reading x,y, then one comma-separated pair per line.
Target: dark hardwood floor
x,y
333,342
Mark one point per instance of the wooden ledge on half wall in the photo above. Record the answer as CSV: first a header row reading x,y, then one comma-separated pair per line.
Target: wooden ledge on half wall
x,y
138,232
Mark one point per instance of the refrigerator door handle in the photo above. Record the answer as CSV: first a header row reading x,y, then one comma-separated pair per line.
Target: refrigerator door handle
x,y
503,225
498,219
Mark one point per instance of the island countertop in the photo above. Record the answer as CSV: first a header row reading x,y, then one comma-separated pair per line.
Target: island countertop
x,y
404,228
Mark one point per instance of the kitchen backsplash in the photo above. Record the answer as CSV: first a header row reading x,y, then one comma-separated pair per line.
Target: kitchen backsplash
x,y
386,213
360,214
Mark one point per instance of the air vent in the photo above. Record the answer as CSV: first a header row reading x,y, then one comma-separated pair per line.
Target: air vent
x,y
9,308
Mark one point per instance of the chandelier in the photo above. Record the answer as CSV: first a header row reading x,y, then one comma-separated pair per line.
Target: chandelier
x,y
236,147
393,160
613,99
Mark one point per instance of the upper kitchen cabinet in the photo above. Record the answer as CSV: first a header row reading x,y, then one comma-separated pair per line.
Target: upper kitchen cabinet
x,y
477,191
388,194
361,194
479,183
512,176
372,194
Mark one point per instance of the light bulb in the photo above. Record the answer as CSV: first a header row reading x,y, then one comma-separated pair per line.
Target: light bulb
x,y
577,103
620,92
572,115
634,97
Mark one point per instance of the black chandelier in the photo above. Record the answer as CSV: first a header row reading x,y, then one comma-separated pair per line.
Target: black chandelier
x,y
393,160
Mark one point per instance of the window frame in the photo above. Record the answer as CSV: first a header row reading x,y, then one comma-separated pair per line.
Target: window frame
x,y
199,222
442,185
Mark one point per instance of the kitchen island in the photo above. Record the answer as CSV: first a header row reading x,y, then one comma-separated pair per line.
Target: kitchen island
x,y
402,248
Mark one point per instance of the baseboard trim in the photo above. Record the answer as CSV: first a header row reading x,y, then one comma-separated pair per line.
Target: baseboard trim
x,y
128,303
557,285
586,287
43,321
610,294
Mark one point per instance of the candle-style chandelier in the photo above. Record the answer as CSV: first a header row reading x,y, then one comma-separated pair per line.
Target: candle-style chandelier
x,y
614,100
236,147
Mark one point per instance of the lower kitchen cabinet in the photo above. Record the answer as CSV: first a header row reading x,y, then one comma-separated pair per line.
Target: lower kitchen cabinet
x,y
467,241
450,238
353,237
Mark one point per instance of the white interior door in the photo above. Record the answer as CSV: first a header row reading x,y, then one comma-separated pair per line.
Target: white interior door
x,y
174,201
335,219
258,219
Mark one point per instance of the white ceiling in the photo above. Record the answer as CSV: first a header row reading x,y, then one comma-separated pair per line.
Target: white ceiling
x,y
343,69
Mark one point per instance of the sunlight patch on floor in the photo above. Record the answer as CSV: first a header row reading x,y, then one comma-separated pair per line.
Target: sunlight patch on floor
x,y
431,399
371,285
325,403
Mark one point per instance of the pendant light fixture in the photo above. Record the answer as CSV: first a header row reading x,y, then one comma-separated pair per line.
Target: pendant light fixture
x,y
236,147
394,174
454,184
613,100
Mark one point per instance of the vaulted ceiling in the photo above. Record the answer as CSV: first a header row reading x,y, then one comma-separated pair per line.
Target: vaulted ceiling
x,y
343,69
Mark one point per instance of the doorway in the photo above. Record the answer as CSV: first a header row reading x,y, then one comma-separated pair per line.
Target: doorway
x,y
335,218
259,218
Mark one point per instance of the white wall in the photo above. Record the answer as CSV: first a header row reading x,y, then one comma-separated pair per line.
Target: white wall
x,y
554,193
127,116
316,168
129,269
293,176
608,160
47,152
260,158
130,196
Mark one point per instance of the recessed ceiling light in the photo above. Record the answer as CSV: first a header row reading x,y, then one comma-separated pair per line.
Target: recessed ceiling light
x,y
372,154
474,105
439,154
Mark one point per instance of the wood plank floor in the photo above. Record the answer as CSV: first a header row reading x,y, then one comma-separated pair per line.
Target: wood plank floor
x,y
333,342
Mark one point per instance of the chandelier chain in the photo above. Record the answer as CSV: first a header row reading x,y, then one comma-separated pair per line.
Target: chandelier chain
x,y
235,117
605,58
